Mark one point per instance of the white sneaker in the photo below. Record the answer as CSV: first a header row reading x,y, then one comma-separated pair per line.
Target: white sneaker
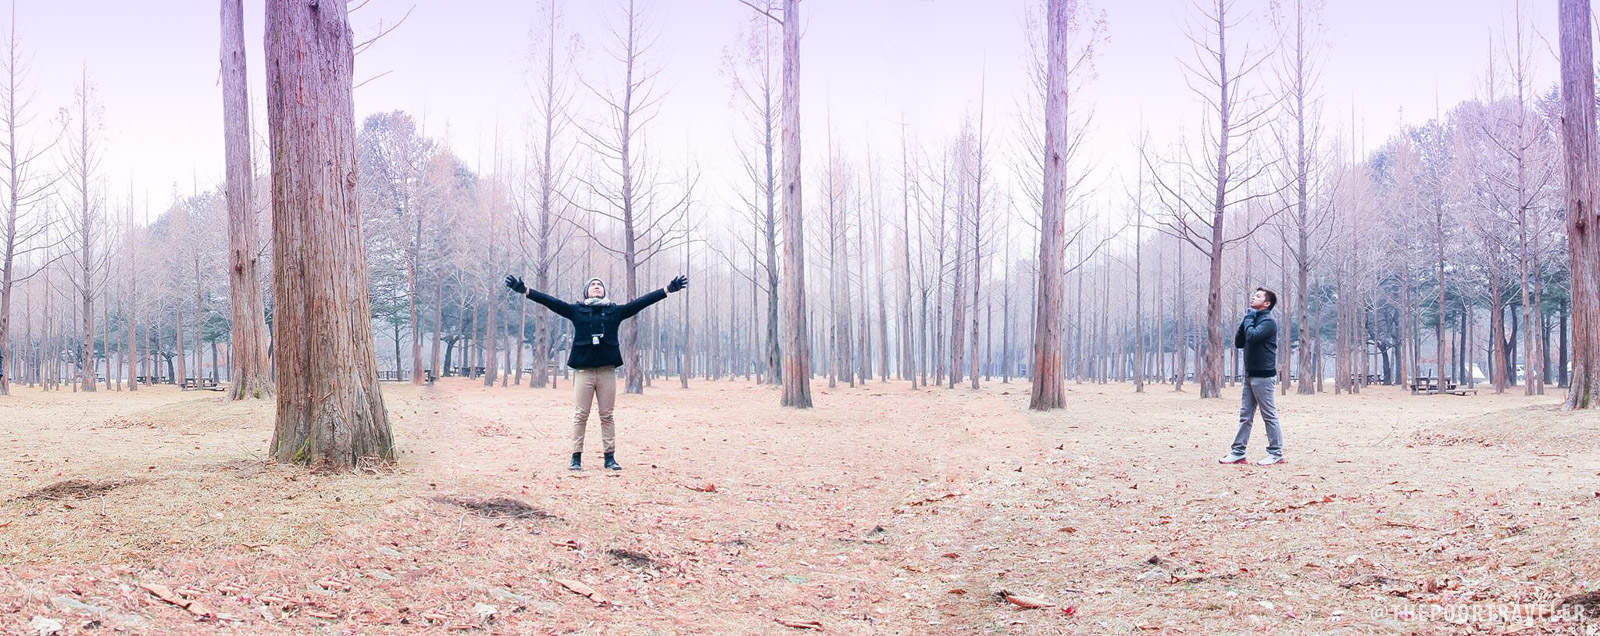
x,y
1234,459
1270,460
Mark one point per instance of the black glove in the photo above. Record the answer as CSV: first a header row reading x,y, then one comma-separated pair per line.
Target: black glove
x,y
678,283
515,284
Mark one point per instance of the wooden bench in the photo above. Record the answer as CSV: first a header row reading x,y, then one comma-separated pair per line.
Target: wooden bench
x,y
201,383
1424,385
1458,389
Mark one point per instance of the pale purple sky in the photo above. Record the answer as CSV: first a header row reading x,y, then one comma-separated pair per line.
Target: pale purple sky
x,y
460,64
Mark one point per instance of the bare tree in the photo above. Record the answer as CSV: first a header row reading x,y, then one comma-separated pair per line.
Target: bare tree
x,y
752,69
1583,248
252,374
959,173
1048,372
130,240
909,369
26,184
88,259
1138,279
796,349
1222,167
330,409
551,99
1518,136
1303,221
630,191
980,175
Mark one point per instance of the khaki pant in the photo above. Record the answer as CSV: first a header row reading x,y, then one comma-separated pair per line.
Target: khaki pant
x,y
594,385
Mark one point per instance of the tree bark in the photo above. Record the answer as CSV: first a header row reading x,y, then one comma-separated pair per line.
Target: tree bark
x,y
977,247
1048,390
330,410
1583,249
83,173
252,377
796,348
958,288
1497,327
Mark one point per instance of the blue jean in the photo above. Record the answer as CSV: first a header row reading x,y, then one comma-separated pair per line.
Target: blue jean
x,y
1257,393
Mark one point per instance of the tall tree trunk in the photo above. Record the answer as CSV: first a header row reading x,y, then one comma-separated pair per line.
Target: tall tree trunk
x,y
908,349
105,342
958,296
1180,345
796,349
977,241
199,323
1138,284
864,325
330,409
686,354
1284,365
1562,363
414,292
252,377
87,230
1005,305
1439,342
1211,375
1497,327
178,350
522,328
775,361
130,325
438,324
1048,390
1583,248
1303,256
883,298
491,335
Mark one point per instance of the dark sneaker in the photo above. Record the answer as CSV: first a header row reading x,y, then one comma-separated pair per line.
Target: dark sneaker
x,y
1233,459
577,462
611,462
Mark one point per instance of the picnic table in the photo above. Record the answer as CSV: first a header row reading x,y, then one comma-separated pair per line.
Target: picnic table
x,y
199,383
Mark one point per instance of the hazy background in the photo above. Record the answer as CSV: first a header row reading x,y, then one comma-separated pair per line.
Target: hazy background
x,y
461,66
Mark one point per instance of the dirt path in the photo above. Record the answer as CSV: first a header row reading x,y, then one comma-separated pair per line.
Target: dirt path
x,y
882,510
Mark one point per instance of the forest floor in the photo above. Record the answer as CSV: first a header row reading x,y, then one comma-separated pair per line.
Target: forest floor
x,y
883,509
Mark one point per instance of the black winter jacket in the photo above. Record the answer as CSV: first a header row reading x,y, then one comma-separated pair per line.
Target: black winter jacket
x,y
1258,336
594,327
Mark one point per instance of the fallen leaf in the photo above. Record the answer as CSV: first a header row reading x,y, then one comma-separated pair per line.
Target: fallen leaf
x,y
569,543
929,500
799,624
1309,502
164,593
583,590
333,584
1070,610
1022,601
951,555
705,487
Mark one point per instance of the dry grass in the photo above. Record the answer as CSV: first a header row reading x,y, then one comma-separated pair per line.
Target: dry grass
x,y
885,509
